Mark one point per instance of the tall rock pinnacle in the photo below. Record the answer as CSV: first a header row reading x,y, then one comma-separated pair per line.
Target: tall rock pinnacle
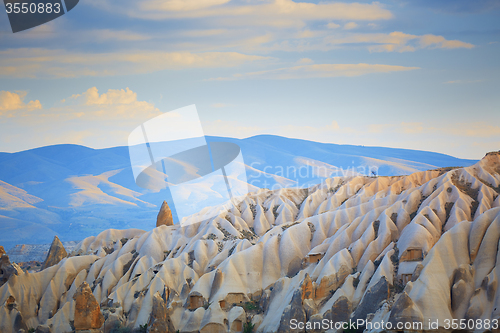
x,y
88,314
56,253
164,216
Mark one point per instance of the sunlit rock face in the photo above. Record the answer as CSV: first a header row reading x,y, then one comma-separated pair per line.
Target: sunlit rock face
x,y
399,249
164,216
56,253
88,314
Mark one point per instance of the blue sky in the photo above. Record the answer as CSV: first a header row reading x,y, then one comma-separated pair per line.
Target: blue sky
x,y
417,74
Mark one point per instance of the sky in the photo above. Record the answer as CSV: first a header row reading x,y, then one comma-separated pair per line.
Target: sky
x,y
418,74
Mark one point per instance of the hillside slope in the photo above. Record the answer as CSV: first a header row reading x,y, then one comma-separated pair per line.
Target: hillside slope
x,y
399,249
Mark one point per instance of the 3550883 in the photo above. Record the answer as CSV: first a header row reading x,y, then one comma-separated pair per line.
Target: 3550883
x,y
25,8
471,324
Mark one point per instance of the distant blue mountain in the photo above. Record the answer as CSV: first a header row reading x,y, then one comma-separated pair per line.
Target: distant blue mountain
x,y
74,191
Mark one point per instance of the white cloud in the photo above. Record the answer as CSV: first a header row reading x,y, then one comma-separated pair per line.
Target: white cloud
x,y
230,128
462,81
179,5
220,105
11,101
35,62
479,129
393,42
115,105
440,42
92,118
307,34
121,104
202,32
350,25
332,25
104,35
318,71
305,61
269,13
306,40
401,42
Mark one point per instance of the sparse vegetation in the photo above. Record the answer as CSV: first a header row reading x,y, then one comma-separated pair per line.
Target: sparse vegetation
x,y
275,211
253,208
355,282
175,251
248,327
251,306
398,287
447,207
286,226
120,329
227,235
245,234
466,188
313,230
191,259
376,225
220,246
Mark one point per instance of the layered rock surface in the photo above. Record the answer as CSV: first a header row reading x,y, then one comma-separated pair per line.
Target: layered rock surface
x,y
409,248
56,253
164,216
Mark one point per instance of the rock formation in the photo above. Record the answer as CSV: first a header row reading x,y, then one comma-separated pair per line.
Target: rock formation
x,y
159,321
7,269
164,216
56,253
88,314
2,251
395,249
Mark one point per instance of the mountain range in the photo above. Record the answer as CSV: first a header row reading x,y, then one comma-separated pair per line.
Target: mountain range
x,y
74,191
417,253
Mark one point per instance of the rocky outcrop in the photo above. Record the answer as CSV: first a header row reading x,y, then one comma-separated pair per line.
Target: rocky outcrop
x,y
292,311
13,320
114,322
372,299
159,321
88,314
340,311
404,310
164,216
35,252
42,329
2,251
7,269
56,253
